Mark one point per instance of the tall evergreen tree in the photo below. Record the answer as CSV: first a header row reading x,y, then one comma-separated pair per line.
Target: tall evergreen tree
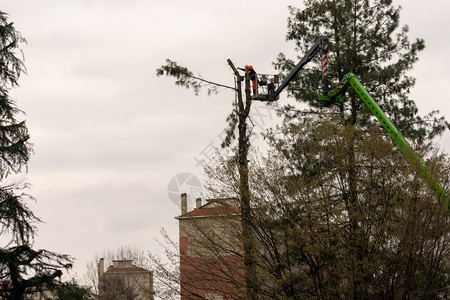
x,y
22,269
365,39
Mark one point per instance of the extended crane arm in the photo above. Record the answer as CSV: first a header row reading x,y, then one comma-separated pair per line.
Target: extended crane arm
x,y
336,96
321,45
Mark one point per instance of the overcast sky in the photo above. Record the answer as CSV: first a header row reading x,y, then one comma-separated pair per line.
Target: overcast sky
x,y
109,136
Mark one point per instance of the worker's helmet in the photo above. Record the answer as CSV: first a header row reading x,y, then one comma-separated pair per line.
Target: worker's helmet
x,y
250,67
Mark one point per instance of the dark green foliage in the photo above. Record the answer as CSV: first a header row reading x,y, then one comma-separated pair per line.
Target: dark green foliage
x,y
23,270
184,77
230,131
308,244
11,66
14,146
73,291
187,79
365,39
16,219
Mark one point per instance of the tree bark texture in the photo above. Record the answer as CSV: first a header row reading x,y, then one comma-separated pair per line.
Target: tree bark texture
x,y
244,190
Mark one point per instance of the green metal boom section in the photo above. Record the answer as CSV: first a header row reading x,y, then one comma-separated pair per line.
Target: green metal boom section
x,y
336,97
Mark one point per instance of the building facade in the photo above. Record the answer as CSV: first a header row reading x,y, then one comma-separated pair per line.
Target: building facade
x,y
211,251
124,281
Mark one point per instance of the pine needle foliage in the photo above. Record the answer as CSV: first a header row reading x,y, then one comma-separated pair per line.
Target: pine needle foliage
x,y
23,270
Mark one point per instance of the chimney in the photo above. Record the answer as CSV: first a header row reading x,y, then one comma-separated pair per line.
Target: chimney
x,y
198,203
183,203
101,268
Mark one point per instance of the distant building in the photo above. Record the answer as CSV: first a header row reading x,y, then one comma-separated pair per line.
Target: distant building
x,y
123,280
211,250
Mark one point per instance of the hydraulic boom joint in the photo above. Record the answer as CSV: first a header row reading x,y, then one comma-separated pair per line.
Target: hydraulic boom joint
x,y
320,46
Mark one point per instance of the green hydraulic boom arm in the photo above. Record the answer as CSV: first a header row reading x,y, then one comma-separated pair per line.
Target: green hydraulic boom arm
x,y
336,97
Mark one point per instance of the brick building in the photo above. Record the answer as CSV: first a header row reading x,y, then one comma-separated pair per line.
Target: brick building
x,y
211,252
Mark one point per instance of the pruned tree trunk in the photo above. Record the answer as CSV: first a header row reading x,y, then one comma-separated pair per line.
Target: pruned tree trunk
x,y
244,190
